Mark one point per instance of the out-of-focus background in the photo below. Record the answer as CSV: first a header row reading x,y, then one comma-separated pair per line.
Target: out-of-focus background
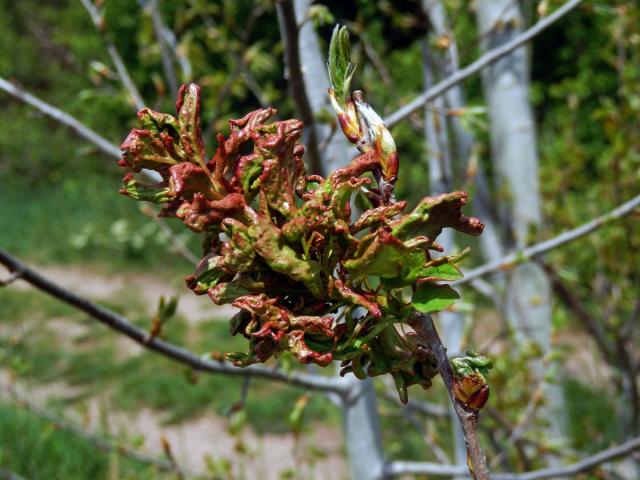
x,y
60,211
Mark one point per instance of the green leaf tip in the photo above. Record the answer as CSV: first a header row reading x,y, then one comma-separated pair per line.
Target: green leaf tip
x,y
471,363
339,63
430,298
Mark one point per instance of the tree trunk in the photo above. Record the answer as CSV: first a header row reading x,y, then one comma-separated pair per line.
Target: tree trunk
x,y
361,426
515,160
440,181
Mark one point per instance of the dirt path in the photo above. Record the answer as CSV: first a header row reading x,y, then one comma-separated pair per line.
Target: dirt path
x,y
148,288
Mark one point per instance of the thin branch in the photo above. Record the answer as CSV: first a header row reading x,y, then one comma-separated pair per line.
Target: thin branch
x,y
168,232
95,440
123,73
11,278
179,54
290,33
400,468
487,59
58,115
165,53
514,259
203,363
584,465
571,300
535,400
9,475
396,469
425,328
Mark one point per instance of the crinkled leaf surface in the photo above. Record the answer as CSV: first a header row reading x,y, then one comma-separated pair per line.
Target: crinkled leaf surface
x,y
309,277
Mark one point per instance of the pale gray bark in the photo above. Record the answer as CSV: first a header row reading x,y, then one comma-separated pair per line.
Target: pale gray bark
x,y
361,426
490,241
515,160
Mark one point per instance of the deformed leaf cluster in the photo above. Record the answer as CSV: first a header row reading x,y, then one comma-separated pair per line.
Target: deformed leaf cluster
x,y
284,248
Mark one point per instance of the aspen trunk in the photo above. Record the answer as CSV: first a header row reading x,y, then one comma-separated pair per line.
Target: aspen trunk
x,y
515,160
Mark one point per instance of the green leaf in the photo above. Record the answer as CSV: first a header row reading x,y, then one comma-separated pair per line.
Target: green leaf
x,y
411,270
429,298
340,67
445,272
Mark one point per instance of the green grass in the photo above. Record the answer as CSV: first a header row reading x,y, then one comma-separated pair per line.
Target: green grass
x,y
83,220
35,449
93,363
593,420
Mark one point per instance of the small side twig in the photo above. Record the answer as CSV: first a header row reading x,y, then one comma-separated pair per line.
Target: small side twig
x,y
116,58
167,61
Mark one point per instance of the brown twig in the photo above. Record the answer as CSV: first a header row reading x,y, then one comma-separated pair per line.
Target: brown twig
x,y
476,460
516,258
616,353
203,363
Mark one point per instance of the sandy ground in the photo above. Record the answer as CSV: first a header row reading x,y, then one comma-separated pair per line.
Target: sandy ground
x,y
99,286
193,441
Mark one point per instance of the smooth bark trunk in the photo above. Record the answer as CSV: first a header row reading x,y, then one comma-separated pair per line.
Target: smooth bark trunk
x,y
515,160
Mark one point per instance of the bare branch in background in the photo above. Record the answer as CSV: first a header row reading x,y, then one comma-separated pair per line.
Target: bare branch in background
x,y
104,145
535,399
584,465
400,468
176,51
123,73
204,363
168,232
241,64
488,58
510,261
396,469
159,30
615,352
